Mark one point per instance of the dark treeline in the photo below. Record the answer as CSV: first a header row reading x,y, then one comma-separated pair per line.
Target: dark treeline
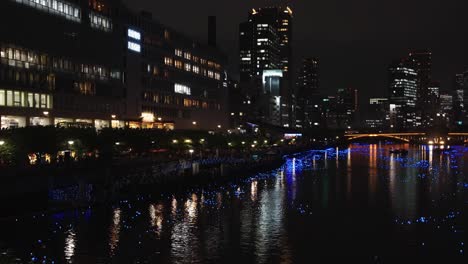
x,y
17,144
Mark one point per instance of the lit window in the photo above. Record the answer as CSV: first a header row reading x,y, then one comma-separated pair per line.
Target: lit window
x,y
134,34
196,69
188,55
182,89
179,53
210,74
56,7
134,46
178,64
168,61
188,67
100,22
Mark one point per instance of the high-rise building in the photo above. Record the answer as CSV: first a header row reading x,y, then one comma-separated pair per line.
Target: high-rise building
x,y
422,61
403,87
445,113
375,114
308,99
347,106
265,44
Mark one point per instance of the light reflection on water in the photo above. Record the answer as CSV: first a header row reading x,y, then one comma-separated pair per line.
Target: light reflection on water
x,y
350,200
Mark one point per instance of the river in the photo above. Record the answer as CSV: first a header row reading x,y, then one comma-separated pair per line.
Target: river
x,y
359,203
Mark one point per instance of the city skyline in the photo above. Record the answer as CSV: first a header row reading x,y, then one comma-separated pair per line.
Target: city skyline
x,y
341,35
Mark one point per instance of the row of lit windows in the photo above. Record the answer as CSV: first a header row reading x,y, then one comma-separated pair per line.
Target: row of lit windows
x,y
85,88
28,79
69,11
57,7
11,98
195,59
100,22
27,59
192,68
176,100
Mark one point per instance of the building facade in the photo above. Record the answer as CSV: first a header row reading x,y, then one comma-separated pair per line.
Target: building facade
x,y
61,65
94,63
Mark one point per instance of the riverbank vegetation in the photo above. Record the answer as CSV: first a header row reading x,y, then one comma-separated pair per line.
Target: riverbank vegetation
x,y
50,145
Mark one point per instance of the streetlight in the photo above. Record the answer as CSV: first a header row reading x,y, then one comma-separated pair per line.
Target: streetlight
x,y
219,126
71,142
45,113
194,123
117,143
2,142
113,116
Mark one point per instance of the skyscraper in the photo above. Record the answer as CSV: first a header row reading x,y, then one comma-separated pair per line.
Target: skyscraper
x,y
422,61
265,44
347,106
403,87
308,100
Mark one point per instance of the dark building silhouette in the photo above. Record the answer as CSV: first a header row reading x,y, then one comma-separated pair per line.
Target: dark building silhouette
x,y
422,60
212,31
308,98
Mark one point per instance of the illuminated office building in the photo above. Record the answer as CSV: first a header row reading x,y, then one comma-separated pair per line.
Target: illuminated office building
x,y
265,44
308,99
403,87
94,63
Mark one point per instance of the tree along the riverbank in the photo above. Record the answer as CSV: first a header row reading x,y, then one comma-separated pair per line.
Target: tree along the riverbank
x,y
18,145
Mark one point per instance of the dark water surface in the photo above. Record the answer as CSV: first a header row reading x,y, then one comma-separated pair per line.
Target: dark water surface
x,y
360,203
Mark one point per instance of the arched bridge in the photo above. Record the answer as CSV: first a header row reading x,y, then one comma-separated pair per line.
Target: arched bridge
x,y
416,137
405,137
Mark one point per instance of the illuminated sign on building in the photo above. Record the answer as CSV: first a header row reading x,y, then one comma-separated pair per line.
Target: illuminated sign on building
x,y
134,34
134,40
134,46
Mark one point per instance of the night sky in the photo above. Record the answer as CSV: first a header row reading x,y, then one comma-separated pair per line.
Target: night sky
x,y
355,41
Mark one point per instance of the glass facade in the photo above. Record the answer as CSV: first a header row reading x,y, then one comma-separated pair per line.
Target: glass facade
x,y
10,98
60,8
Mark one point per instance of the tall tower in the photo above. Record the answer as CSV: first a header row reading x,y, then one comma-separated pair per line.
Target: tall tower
x,y
265,45
403,93
308,99
422,60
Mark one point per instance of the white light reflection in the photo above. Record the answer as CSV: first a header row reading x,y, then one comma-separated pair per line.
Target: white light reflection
x,y
253,190
156,217
70,245
191,207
